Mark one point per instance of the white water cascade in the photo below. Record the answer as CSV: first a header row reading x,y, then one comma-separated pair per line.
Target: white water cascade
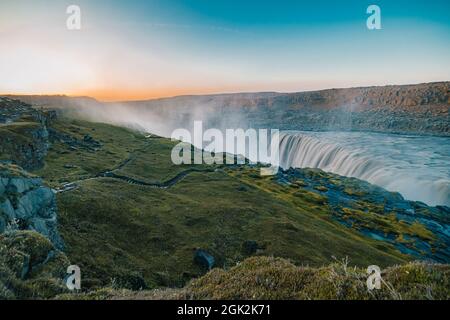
x,y
416,167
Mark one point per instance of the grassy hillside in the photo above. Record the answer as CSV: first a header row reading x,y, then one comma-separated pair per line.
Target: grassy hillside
x,y
142,236
133,220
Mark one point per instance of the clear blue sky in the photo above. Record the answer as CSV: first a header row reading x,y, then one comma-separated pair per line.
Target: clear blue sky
x,y
137,49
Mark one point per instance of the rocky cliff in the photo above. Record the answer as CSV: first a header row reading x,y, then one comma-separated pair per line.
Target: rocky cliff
x,y
26,204
23,132
32,264
418,109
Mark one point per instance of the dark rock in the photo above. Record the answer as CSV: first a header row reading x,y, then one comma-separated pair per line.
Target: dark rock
x,y
204,259
250,247
242,188
24,136
73,144
26,204
131,281
444,209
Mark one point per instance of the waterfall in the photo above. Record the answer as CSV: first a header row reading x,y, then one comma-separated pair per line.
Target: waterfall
x,y
303,150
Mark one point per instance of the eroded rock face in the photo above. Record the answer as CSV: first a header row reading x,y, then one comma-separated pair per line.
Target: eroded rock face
x,y
418,109
413,227
24,135
26,204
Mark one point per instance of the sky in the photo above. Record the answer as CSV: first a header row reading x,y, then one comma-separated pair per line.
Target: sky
x,y
133,50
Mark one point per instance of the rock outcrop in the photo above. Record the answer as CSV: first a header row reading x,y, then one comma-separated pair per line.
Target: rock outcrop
x,y
411,226
204,259
30,266
26,204
24,135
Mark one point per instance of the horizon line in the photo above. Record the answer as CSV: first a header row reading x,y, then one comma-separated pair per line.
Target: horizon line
x,y
81,96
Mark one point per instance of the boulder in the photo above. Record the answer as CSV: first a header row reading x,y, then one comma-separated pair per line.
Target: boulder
x,y
203,259
250,247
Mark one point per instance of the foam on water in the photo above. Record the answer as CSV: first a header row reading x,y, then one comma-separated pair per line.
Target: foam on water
x,y
417,167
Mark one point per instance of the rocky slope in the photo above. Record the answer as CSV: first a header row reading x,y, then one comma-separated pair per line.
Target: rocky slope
x,y
30,266
24,135
411,226
25,202
418,109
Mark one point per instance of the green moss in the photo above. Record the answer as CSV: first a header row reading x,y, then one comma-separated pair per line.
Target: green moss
x,y
30,243
312,197
388,224
271,278
30,267
352,192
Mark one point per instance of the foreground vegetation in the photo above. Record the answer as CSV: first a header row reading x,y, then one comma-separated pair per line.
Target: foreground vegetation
x,y
128,229
276,278
30,266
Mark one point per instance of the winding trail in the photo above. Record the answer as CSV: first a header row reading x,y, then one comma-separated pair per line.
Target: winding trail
x,y
110,174
161,185
130,180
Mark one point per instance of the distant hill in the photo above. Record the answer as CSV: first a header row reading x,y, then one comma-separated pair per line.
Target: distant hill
x,y
418,109
357,99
